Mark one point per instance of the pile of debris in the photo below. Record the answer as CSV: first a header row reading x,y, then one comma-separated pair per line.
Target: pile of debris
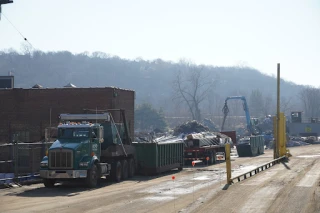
x,y
210,124
296,143
302,141
206,139
190,127
191,130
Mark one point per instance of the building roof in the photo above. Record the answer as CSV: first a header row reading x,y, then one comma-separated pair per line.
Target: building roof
x,y
70,85
37,86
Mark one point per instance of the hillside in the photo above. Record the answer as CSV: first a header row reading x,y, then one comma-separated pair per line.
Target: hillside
x,y
152,80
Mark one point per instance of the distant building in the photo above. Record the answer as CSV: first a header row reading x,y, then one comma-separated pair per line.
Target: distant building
x,y
28,112
6,82
302,126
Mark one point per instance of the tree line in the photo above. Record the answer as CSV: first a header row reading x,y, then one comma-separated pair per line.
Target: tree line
x,y
180,90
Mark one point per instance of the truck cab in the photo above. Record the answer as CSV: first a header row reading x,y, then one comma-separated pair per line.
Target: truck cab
x,y
77,151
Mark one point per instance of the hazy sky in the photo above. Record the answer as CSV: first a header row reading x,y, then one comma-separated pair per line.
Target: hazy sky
x,y
257,33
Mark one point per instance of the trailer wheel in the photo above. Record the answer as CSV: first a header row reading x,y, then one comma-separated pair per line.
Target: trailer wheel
x,y
125,169
187,162
212,159
92,177
131,168
116,171
49,183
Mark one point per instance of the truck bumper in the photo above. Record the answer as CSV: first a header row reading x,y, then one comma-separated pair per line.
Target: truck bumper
x,y
63,174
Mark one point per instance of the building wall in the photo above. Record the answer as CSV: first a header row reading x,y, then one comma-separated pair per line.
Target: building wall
x,y
27,111
304,129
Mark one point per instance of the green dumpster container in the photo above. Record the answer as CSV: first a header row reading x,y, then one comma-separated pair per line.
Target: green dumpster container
x,y
155,158
251,148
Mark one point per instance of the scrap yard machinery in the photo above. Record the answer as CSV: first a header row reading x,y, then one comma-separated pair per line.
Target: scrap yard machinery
x,y
88,147
250,123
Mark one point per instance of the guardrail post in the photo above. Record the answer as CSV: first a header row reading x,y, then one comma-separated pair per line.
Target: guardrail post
x,y
16,158
228,163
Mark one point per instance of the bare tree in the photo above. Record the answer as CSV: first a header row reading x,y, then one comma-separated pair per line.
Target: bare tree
x,y
192,86
27,49
310,97
256,102
99,54
268,104
286,104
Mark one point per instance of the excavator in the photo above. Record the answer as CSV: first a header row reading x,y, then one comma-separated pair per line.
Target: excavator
x,y
251,123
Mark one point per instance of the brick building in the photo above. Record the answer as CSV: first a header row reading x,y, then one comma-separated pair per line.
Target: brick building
x,y
27,112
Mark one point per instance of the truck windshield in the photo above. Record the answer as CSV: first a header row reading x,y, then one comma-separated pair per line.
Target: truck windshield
x,y
73,133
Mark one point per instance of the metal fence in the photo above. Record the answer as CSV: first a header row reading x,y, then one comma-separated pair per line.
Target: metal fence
x,y
21,161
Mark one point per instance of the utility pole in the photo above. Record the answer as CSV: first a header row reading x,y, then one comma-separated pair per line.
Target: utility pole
x,y
278,138
4,2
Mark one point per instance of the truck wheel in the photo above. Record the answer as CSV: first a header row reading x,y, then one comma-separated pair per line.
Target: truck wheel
x,y
212,158
125,169
188,162
92,177
116,171
49,183
132,168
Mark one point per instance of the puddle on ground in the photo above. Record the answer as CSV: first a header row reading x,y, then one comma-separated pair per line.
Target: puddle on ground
x,y
184,185
308,156
202,178
162,198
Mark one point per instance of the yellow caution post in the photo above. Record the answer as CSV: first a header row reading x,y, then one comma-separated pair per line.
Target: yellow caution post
x,y
228,163
280,148
279,126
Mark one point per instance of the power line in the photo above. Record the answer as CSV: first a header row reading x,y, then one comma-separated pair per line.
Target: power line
x,y
24,38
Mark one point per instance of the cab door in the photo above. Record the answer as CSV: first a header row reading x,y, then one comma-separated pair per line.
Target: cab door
x,y
95,142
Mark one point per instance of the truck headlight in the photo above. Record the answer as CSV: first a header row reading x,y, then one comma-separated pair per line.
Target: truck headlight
x,y
83,164
44,164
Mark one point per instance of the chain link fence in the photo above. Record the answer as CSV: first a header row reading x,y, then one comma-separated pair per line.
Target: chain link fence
x,y
21,161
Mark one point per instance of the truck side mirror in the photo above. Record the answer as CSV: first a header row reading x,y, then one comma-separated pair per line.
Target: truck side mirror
x,y
101,135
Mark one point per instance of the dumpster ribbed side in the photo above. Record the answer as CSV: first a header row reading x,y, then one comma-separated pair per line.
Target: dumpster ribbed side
x,y
254,148
155,158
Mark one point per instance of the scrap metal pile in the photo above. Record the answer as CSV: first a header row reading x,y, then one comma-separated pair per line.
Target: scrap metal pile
x,y
193,133
206,139
190,127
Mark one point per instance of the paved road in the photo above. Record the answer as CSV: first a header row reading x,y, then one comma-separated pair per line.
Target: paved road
x,y
288,187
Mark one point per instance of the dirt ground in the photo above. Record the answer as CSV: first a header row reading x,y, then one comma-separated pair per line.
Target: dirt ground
x,y
285,187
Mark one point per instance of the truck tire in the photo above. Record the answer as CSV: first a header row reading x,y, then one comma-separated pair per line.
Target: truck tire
x,y
125,169
92,177
132,168
116,171
49,183
212,158
187,162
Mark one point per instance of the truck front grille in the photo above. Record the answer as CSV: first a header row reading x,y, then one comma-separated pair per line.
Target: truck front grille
x,y
60,159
